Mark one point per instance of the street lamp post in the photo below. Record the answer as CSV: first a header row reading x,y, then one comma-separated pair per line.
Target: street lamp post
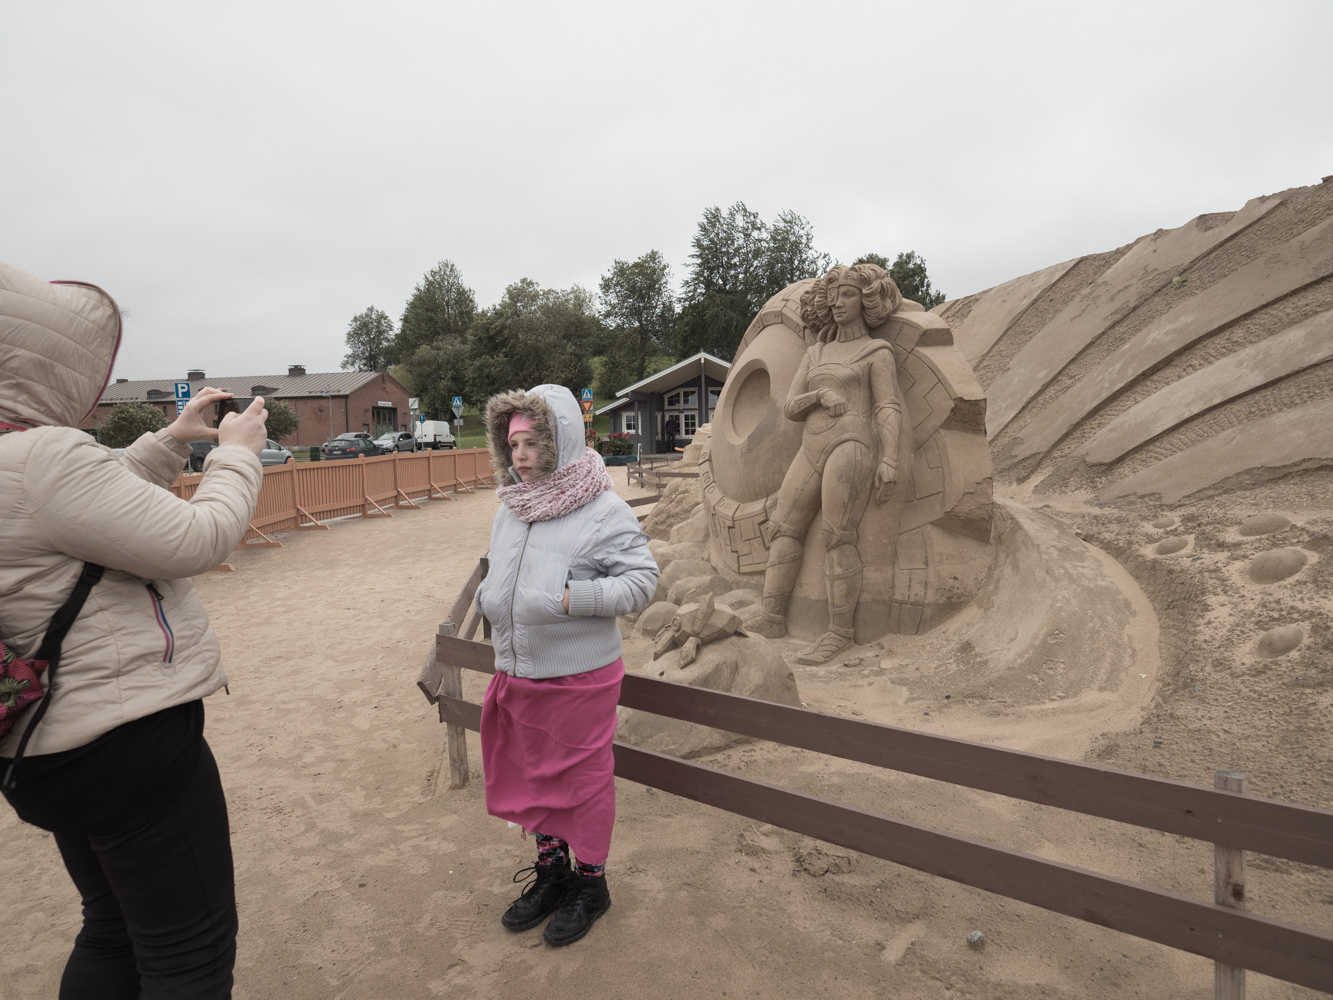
x,y
328,394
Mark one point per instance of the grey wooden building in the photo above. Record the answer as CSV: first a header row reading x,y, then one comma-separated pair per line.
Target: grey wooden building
x,y
688,390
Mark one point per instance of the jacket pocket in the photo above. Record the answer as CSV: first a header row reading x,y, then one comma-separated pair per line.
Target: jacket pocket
x,y
541,587
168,636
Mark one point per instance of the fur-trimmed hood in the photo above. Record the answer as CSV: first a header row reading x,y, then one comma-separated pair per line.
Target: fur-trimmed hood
x,y
557,421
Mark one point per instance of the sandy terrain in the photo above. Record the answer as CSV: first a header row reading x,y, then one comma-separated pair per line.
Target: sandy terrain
x,y
360,874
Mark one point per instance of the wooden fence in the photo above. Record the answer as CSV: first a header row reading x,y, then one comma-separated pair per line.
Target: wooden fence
x,y
301,495
650,470
1234,822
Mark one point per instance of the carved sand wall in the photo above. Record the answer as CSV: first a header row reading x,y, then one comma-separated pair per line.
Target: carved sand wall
x,y
941,547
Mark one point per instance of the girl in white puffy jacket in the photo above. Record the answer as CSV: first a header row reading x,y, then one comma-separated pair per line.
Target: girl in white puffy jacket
x,y
567,556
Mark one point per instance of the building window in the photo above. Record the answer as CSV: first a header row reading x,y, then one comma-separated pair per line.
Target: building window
x,y
629,422
683,397
689,423
712,397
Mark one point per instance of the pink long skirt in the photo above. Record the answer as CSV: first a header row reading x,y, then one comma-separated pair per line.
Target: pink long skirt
x,y
546,753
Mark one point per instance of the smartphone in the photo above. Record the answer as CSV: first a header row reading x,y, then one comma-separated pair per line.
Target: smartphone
x,y
237,404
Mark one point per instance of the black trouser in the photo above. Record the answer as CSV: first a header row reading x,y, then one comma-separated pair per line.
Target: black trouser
x,y
159,901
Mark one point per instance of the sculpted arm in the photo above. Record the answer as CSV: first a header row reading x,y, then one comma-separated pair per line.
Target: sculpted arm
x,y
800,401
888,415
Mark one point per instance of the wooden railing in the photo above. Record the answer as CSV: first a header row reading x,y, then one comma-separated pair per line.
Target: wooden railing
x,y
649,471
1234,822
301,495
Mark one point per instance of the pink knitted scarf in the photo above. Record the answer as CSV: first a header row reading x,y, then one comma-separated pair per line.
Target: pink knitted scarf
x,y
567,488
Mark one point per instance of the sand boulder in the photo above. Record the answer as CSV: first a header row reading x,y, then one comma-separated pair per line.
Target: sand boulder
x,y
749,665
1280,641
1276,564
1263,524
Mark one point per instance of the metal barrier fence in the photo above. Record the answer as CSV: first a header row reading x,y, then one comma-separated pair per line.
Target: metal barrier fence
x,y
1224,816
301,495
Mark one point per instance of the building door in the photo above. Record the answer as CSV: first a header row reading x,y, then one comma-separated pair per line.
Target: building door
x,y
384,420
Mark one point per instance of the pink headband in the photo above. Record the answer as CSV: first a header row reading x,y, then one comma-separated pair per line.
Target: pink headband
x,y
519,422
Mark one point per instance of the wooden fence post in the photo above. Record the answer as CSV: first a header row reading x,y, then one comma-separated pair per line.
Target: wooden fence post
x,y
451,685
1228,890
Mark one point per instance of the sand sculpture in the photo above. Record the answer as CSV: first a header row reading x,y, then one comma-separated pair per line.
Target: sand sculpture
x,y
848,405
695,625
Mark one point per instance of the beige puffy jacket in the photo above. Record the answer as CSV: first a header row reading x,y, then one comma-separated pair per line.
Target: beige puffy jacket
x,y
142,642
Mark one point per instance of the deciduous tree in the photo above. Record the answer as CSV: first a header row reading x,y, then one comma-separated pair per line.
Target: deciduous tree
x,y
369,336
737,263
282,419
441,307
127,422
908,272
533,335
639,310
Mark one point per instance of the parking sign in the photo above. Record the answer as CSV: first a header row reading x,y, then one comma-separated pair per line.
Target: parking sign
x,y
182,390
180,405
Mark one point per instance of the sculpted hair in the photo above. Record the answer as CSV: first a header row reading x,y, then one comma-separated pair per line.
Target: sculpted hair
x,y
880,297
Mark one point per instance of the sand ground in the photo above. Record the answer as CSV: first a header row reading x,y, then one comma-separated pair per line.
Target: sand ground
x,y
361,874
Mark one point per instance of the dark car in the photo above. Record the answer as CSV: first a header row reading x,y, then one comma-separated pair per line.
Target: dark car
x,y
353,444
198,452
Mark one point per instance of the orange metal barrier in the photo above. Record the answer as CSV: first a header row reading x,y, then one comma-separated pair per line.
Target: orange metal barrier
x,y
301,495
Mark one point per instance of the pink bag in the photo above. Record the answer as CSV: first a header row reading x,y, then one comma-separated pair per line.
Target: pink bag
x,y
21,680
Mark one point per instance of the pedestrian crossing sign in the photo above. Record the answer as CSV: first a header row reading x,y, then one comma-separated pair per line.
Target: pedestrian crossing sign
x,y
587,395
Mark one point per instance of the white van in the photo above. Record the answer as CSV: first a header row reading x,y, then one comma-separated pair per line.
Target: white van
x,y
434,434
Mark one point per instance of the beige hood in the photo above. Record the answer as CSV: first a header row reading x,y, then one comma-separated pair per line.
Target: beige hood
x,y
58,341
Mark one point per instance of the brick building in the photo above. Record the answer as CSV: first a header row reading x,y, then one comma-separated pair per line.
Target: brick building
x,y
327,404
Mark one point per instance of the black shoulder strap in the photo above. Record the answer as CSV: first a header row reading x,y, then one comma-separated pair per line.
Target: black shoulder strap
x,y
61,623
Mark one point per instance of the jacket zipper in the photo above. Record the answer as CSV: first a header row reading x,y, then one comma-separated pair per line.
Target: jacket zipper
x,y
163,624
513,645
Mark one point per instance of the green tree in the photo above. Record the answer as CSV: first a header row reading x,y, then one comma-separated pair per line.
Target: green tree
x,y
737,263
369,336
639,310
441,308
437,372
127,422
908,272
282,419
533,335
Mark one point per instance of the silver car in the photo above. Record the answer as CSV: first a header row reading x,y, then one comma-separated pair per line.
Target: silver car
x,y
274,454
396,441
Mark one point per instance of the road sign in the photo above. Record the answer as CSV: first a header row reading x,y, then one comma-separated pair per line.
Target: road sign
x,y
413,403
587,406
587,418
182,390
180,405
587,396
458,407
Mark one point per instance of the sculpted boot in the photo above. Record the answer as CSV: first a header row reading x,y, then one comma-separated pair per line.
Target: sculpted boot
x,y
842,574
539,897
784,564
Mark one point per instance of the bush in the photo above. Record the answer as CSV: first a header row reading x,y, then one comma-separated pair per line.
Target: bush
x,y
618,444
282,419
127,422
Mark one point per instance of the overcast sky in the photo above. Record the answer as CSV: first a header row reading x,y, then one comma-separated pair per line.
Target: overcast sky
x,y
245,177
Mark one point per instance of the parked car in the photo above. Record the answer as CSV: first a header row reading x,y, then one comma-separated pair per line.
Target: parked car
x,y
198,452
275,454
353,444
435,434
396,441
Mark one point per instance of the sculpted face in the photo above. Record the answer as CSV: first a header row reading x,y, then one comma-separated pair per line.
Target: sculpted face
x,y
847,306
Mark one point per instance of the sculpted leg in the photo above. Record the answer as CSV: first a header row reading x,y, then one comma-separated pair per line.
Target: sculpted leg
x,y
846,492
798,502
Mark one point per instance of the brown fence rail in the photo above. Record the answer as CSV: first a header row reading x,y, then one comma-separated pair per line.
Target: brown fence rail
x,y
301,495
1223,930
649,470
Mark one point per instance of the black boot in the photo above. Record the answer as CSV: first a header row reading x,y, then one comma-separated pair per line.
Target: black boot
x,y
586,899
539,897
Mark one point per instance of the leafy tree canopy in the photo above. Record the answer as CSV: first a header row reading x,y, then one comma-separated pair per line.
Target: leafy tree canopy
x,y
533,335
282,419
639,310
127,422
437,372
738,262
368,338
908,272
441,308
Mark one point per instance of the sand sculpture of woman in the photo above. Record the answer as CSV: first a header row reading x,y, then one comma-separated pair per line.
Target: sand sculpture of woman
x,y
846,393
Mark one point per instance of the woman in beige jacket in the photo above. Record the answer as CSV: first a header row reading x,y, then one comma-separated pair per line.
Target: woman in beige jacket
x,y
118,768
